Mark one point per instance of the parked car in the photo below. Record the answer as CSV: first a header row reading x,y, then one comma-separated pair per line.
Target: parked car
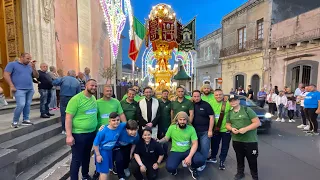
x,y
264,116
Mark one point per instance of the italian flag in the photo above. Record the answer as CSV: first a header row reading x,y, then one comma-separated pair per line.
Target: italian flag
x,y
137,35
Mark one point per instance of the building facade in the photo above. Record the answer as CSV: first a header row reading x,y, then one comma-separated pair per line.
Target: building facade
x,y
246,40
245,34
295,51
68,34
207,64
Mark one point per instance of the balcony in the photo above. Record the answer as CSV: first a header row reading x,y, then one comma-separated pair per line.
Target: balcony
x,y
206,61
250,45
296,38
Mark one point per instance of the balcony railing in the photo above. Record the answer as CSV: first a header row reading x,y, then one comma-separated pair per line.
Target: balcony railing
x,y
236,49
301,37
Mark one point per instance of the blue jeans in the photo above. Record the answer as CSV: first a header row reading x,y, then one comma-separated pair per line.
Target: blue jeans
x,y
53,101
81,153
63,106
225,137
45,98
298,112
175,158
23,100
203,143
281,111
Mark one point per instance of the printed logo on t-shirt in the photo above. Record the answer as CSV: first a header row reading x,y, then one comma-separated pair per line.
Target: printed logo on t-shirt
x,y
217,115
151,151
201,109
166,106
91,111
123,143
183,106
183,143
104,116
108,145
133,107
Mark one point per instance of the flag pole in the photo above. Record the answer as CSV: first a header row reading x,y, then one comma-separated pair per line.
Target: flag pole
x,y
133,68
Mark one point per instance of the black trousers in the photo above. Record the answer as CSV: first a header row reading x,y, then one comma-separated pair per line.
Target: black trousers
x,y
250,151
303,116
151,173
312,116
272,108
121,156
290,114
81,153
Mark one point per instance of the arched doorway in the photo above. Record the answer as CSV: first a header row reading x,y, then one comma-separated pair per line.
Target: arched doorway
x,y
255,85
239,81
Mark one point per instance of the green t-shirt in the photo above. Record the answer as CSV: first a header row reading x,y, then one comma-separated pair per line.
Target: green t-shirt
x,y
208,98
136,97
184,105
129,109
216,106
165,116
240,120
105,108
84,111
181,138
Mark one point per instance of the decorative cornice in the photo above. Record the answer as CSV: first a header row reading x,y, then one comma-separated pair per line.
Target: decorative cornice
x,y
210,35
242,9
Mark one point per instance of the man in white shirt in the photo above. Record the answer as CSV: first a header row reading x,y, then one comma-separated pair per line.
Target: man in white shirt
x,y
300,98
281,102
297,93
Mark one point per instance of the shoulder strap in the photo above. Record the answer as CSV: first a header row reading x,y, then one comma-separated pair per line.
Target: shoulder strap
x,y
222,112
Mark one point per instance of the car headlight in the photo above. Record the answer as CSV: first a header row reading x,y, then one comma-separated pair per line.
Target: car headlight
x,y
268,115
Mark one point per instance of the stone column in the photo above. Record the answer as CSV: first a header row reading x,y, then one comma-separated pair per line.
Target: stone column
x,y
84,36
38,30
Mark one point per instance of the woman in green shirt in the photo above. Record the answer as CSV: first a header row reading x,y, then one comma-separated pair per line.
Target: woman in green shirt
x,y
243,123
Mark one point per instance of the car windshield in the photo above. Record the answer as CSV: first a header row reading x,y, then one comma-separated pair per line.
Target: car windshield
x,y
247,102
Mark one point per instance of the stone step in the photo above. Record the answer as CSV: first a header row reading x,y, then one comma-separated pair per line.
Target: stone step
x,y
46,163
7,134
33,155
22,143
12,105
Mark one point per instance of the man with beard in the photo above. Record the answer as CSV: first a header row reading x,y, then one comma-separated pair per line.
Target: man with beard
x,y
181,104
184,146
165,118
207,93
129,105
18,74
148,112
81,124
220,134
203,123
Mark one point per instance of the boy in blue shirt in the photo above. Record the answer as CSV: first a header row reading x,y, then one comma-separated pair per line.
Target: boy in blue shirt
x,y
124,148
104,143
312,108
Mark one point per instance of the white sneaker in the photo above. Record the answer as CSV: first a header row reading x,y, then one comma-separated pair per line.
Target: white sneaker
x,y
278,119
184,164
127,172
122,179
292,120
201,168
306,128
301,126
63,133
282,120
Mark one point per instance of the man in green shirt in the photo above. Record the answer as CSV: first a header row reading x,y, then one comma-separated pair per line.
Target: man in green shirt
x,y
181,104
221,134
129,105
243,123
107,105
207,93
81,124
184,146
137,97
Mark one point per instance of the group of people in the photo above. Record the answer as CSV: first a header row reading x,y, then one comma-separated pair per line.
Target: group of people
x,y
304,103
138,129
55,89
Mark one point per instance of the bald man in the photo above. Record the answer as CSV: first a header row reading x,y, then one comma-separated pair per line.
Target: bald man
x,y
69,86
44,86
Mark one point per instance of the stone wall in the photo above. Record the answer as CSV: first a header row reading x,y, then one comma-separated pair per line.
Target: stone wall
x,y
66,35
